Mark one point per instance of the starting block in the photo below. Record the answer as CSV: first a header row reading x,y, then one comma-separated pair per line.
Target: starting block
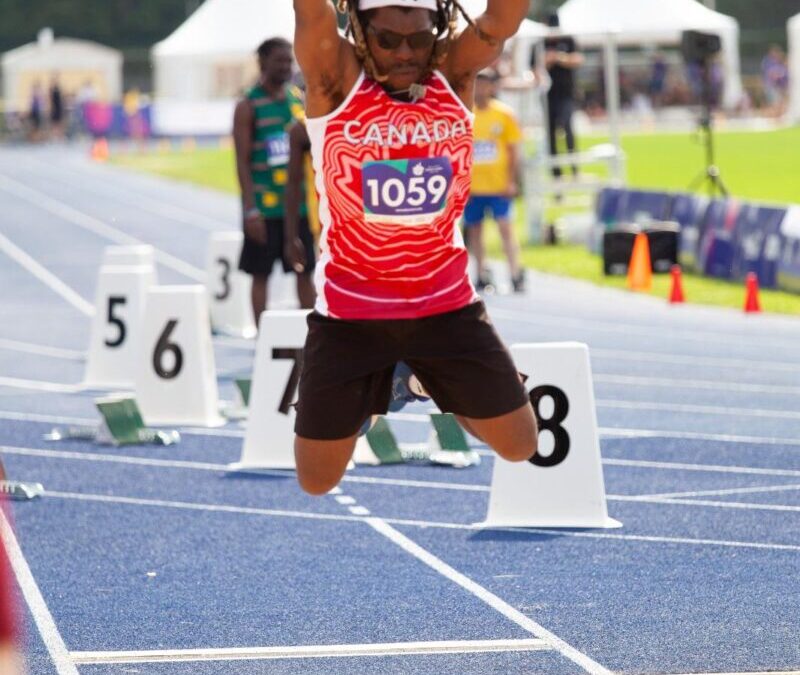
x,y
227,288
116,325
121,424
378,446
269,440
176,381
20,492
562,486
447,445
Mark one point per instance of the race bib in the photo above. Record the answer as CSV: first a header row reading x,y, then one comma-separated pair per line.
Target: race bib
x,y
406,191
485,152
278,149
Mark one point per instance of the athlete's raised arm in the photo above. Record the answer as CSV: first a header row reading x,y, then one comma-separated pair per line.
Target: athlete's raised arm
x,y
325,57
479,45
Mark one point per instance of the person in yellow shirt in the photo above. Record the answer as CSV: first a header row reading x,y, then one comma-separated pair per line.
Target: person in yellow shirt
x,y
496,179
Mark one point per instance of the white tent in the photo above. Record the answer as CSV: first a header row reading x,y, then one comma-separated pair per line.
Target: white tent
x,y
212,54
642,22
793,29
72,62
210,59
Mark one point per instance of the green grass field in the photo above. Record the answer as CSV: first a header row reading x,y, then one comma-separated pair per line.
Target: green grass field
x,y
761,166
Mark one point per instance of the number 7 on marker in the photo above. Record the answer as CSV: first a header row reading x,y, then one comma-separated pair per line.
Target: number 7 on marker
x,y
290,392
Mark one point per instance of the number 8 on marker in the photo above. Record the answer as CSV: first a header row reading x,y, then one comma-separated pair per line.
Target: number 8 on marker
x,y
552,424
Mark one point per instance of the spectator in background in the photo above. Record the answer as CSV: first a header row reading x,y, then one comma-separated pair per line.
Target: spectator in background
x,y
561,60
658,80
56,109
775,80
87,94
496,178
35,112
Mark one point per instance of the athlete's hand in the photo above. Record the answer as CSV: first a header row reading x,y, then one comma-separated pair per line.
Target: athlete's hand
x,y
513,191
255,227
295,253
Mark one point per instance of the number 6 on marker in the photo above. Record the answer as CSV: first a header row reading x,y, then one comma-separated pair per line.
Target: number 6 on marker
x,y
164,345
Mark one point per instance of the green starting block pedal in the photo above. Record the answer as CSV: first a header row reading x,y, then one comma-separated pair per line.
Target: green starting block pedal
x,y
121,424
378,446
237,410
243,387
448,443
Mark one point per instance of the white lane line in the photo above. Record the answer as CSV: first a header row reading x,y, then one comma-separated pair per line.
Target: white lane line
x,y
605,432
346,500
42,350
743,506
702,362
117,459
311,651
496,603
304,515
33,597
39,385
699,409
44,419
87,222
613,432
397,482
359,510
45,276
722,493
708,468
664,331
760,672
706,385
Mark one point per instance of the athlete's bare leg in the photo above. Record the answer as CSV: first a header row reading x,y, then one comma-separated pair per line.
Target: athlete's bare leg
x,y
321,464
258,296
305,290
512,436
510,245
476,246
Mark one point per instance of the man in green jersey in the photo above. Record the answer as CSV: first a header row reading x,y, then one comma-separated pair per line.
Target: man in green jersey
x,y
260,133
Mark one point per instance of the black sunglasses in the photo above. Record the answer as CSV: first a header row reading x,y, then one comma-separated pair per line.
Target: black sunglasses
x,y
390,40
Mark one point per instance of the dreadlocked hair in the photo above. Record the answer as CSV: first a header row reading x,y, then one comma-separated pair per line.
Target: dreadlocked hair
x,y
446,23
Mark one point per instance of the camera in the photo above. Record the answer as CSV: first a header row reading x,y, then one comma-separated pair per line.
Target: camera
x,y
699,47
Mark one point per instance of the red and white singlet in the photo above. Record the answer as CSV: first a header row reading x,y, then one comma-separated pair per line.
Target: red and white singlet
x,y
393,178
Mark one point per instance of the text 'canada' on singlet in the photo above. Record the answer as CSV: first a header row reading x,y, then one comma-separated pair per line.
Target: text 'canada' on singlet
x,y
393,178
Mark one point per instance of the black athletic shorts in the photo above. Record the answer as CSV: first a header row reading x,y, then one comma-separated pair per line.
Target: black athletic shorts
x,y
258,259
348,365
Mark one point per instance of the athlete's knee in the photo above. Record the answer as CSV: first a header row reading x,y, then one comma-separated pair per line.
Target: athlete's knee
x,y
520,442
316,485
520,449
321,464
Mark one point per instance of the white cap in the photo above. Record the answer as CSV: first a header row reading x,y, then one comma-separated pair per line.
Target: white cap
x,y
419,4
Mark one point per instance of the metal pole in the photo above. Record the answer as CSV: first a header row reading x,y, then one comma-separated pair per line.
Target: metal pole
x,y
611,59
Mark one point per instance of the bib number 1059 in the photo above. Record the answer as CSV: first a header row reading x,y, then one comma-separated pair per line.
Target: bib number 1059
x,y
407,192
394,192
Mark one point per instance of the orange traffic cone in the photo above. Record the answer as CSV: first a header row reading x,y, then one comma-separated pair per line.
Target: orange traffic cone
x,y
100,151
751,303
676,295
640,272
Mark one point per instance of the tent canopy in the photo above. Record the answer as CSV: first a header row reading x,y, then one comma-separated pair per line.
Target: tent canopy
x,y
793,29
73,62
229,28
637,22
